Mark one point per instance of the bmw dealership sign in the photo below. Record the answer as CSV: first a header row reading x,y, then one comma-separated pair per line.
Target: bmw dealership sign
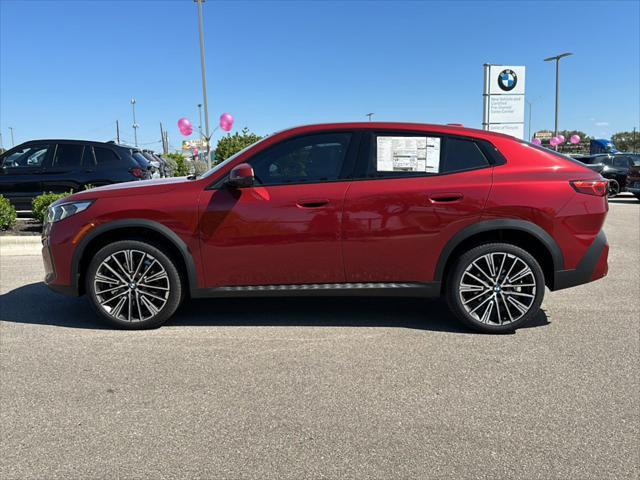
x,y
504,99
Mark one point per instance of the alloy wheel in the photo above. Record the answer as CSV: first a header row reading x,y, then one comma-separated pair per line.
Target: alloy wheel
x,y
131,286
497,288
614,188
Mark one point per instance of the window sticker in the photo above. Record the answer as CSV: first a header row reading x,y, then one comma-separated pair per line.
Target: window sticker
x,y
408,154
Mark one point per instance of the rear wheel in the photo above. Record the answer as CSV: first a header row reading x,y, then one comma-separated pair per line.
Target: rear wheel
x,y
133,285
614,188
495,288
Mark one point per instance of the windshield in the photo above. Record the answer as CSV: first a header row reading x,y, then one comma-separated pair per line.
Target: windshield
x,y
222,164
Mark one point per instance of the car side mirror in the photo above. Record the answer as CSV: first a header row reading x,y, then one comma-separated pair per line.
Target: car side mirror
x,y
241,176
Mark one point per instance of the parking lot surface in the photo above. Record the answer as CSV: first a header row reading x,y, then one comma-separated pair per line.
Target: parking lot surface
x,y
315,388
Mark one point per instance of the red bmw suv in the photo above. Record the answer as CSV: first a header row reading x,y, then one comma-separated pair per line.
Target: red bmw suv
x,y
341,209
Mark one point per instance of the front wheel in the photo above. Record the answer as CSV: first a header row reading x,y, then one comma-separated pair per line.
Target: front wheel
x,y
495,288
613,188
133,285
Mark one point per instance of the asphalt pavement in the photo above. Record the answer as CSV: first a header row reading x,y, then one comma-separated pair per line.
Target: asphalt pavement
x,y
324,388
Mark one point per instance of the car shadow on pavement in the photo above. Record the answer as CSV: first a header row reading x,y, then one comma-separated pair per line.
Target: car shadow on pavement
x,y
36,304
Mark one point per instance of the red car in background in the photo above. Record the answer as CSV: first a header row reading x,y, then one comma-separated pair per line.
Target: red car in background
x,y
400,209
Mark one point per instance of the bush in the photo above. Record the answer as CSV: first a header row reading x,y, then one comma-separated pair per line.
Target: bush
x,y
7,214
42,202
199,167
176,164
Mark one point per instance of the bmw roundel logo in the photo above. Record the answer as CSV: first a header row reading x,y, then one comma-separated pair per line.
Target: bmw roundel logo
x,y
507,80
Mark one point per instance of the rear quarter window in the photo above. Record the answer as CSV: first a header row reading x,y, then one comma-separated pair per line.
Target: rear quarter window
x,y
462,154
106,158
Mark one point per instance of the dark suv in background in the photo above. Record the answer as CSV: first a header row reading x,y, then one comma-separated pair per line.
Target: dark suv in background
x,y
614,167
60,166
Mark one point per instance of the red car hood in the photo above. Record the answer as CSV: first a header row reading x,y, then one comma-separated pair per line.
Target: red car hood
x,y
144,187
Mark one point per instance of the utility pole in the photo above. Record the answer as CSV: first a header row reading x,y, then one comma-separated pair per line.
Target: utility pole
x,y
530,105
557,60
204,80
135,125
200,124
369,115
13,144
117,132
164,148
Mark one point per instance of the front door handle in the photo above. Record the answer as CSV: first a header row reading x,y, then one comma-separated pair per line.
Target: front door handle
x,y
312,203
446,197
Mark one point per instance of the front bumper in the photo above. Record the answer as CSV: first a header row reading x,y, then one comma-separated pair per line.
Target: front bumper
x,y
594,265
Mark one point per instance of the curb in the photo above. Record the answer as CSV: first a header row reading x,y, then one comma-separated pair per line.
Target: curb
x,y
15,245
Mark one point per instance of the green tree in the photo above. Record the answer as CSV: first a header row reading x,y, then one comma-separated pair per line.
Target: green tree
x,y
232,144
626,141
177,164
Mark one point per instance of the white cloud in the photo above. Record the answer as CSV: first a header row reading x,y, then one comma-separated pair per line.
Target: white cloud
x,y
602,124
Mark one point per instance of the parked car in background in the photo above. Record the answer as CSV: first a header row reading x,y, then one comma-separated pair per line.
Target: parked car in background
x,y
365,208
158,164
613,167
58,166
633,177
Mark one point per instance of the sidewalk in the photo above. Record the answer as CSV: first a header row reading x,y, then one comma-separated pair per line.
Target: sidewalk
x,y
19,245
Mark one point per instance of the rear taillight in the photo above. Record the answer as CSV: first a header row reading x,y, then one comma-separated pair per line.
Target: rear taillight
x,y
590,187
136,172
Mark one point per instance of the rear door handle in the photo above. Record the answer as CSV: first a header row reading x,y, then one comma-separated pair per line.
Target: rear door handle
x,y
312,203
446,197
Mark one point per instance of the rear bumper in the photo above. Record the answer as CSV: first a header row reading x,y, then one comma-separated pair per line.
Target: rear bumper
x,y
593,266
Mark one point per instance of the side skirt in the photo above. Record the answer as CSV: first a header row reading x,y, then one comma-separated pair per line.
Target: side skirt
x,y
395,289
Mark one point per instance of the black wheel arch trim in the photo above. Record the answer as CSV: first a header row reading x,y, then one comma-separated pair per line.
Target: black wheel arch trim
x,y
157,227
494,225
584,270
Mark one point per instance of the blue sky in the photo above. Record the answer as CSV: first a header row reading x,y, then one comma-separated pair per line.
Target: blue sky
x,y
69,68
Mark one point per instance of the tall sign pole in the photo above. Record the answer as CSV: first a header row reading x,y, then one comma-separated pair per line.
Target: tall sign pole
x,y
557,60
503,99
204,81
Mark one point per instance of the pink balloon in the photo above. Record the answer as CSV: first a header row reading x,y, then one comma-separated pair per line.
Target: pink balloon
x,y
554,141
185,127
536,141
561,139
575,139
195,152
226,121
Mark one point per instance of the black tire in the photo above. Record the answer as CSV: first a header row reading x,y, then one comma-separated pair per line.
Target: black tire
x,y
502,318
613,188
141,300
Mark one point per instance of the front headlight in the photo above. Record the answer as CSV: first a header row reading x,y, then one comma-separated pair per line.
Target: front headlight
x,y
55,213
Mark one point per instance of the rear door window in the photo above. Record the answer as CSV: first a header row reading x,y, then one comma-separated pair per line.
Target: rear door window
x,y
106,158
401,154
88,160
68,156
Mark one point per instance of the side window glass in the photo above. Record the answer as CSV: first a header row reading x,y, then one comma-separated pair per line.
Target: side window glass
x,y
31,156
404,155
67,156
620,162
313,158
105,158
461,154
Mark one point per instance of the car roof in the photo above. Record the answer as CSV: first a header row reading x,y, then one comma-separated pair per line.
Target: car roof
x,y
453,129
83,142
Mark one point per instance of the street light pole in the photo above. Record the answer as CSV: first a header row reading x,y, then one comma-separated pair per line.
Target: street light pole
x,y
369,115
12,142
557,60
200,124
530,105
204,80
135,125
